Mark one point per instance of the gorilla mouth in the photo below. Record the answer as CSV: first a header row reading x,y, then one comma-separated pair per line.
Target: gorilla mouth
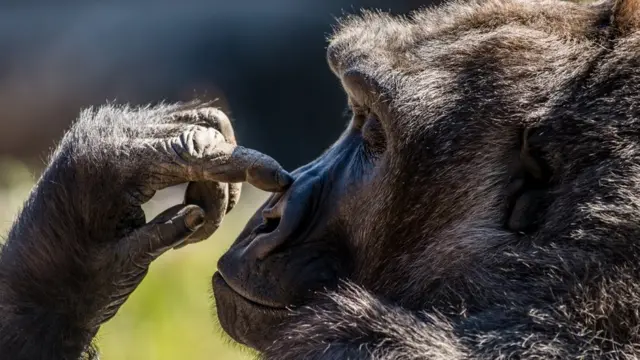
x,y
248,322
219,282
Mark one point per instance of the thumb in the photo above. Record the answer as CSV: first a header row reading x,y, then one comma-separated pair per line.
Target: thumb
x,y
170,228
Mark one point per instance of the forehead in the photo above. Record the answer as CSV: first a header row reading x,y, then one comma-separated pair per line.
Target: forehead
x,y
376,40
472,57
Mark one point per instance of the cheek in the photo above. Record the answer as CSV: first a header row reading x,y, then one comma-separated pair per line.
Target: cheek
x,y
366,214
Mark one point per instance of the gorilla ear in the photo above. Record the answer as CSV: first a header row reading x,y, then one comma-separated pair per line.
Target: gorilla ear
x,y
531,164
625,16
528,189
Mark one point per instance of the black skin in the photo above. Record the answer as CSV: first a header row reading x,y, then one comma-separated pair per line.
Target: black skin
x,y
482,202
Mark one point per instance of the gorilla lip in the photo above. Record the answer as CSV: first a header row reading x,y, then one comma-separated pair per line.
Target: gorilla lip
x,y
218,278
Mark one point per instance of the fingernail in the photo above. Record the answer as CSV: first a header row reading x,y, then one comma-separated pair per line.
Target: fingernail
x,y
284,179
194,219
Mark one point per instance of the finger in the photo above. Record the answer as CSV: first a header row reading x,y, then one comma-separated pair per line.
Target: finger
x,y
207,116
202,154
212,197
216,118
181,158
252,166
235,189
167,230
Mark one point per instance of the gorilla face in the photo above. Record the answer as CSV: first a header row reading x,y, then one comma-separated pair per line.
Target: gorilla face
x,y
442,163
295,244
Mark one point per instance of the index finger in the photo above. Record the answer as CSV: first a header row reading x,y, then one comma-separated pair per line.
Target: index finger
x,y
202,154
252,166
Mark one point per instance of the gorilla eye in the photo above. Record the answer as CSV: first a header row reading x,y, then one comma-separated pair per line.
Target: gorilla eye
x,y
370,127
359,115
373,134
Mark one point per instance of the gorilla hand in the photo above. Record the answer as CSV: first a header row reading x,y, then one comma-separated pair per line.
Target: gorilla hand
x,y
193,145
81,245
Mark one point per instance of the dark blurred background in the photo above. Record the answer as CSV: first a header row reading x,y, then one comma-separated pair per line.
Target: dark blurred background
x,y
264,60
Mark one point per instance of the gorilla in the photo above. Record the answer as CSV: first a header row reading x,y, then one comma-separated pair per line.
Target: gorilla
x,y
482,202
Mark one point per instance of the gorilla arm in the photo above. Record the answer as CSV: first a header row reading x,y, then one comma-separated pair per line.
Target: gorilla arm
x,y
80,246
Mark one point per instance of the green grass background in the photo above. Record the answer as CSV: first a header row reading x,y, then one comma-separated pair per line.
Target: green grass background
x,y
170,316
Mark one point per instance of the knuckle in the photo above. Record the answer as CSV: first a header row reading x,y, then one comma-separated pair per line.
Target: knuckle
x,y
209,117
217,119
202,141
213,115
155,236
195,143
202,116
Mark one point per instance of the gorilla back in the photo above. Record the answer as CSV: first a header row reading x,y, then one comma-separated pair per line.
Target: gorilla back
x,y
482,202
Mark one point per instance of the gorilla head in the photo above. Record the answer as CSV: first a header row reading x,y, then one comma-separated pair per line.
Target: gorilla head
x,y
468,175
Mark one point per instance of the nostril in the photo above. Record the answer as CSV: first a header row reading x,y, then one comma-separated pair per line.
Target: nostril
x,y
283,215
275,209
268,225
271,217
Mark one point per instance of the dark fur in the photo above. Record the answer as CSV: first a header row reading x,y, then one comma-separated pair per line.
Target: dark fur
x,y
52,285
435,273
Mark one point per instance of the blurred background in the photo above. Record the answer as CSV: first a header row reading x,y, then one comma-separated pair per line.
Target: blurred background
x,y
264,60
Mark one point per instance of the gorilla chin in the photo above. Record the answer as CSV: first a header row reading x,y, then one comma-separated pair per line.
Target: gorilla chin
x,y
253,296
251,308
246,321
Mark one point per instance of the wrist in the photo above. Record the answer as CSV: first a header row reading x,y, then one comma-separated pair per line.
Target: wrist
x,y
43,277
29,330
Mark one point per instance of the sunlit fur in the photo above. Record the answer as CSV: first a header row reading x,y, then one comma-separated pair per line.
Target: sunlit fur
x,y
437,275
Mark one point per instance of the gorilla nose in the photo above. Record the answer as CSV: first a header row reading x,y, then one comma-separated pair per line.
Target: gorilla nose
x,y
283,215
274,209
